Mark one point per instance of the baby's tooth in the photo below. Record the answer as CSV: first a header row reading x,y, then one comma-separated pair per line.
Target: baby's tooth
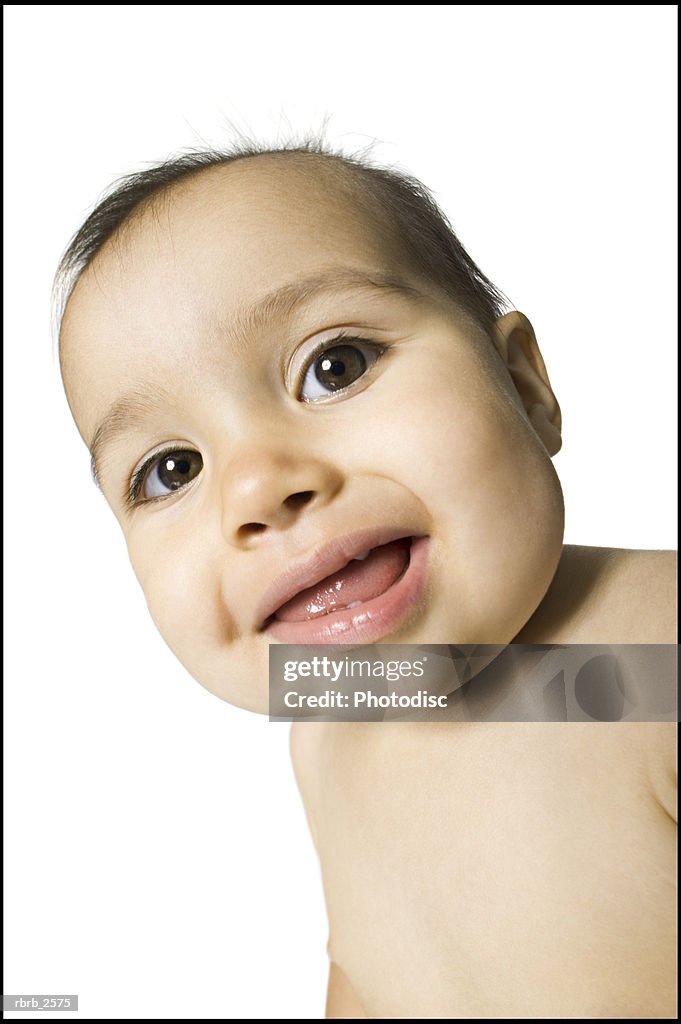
x,y
360,558
355,604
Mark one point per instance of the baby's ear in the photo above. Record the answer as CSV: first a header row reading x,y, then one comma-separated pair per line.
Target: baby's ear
x,y
514,340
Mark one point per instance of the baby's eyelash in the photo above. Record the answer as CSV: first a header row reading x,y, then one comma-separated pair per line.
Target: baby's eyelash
x,y
342,338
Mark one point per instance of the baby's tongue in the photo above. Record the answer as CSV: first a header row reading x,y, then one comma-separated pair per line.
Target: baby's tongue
x,y
356,582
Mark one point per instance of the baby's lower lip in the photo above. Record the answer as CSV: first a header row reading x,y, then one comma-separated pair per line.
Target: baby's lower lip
x,y
368,621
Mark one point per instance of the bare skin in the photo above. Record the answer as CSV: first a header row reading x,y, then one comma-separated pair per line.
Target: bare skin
x,y
469,870
497,870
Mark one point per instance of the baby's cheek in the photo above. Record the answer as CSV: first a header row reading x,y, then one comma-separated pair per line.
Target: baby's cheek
x,y
182,591
454,440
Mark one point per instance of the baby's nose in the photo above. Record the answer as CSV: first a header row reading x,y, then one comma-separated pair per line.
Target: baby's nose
x,y
269,489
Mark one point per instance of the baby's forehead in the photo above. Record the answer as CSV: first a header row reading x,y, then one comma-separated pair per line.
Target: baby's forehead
x,y
268,201
242,228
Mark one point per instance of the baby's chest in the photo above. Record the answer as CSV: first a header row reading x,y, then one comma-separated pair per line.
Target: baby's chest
x,y
492,866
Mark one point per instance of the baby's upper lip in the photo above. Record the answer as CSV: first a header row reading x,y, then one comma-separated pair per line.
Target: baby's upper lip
x,y
325,560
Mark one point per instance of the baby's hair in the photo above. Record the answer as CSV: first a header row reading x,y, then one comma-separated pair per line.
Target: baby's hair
x,y
409,207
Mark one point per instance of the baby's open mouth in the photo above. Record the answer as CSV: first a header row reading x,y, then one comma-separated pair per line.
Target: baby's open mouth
x,y
362,579
357,588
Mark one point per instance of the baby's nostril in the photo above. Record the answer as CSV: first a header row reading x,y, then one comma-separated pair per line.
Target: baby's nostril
x,y
294,501
249,528
299,499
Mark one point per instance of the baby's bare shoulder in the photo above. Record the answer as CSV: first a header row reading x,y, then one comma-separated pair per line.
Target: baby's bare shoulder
x,y
638,597
608,595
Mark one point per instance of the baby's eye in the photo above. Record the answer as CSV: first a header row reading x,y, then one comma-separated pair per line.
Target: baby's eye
x,y
338,367
165,473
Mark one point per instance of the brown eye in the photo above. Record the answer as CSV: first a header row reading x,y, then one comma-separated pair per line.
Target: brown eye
x,y
170,472
337,368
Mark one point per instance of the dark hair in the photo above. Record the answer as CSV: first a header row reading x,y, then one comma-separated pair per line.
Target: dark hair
x,y
410,209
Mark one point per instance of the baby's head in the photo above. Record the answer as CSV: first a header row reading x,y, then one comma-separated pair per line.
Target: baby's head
x,y
281,362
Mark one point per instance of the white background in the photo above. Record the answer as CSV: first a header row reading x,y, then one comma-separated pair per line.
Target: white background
x,y
157,857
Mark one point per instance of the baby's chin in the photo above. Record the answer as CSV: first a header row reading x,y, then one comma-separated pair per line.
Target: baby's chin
x,y
239,681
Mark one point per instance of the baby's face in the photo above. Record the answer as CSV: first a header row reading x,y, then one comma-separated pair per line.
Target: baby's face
x,y
274,392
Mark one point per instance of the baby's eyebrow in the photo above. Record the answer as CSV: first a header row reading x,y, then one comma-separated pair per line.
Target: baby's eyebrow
x,y
136,405
127,412
284,300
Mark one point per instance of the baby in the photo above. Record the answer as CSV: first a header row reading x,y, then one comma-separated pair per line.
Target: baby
x,y
282,361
